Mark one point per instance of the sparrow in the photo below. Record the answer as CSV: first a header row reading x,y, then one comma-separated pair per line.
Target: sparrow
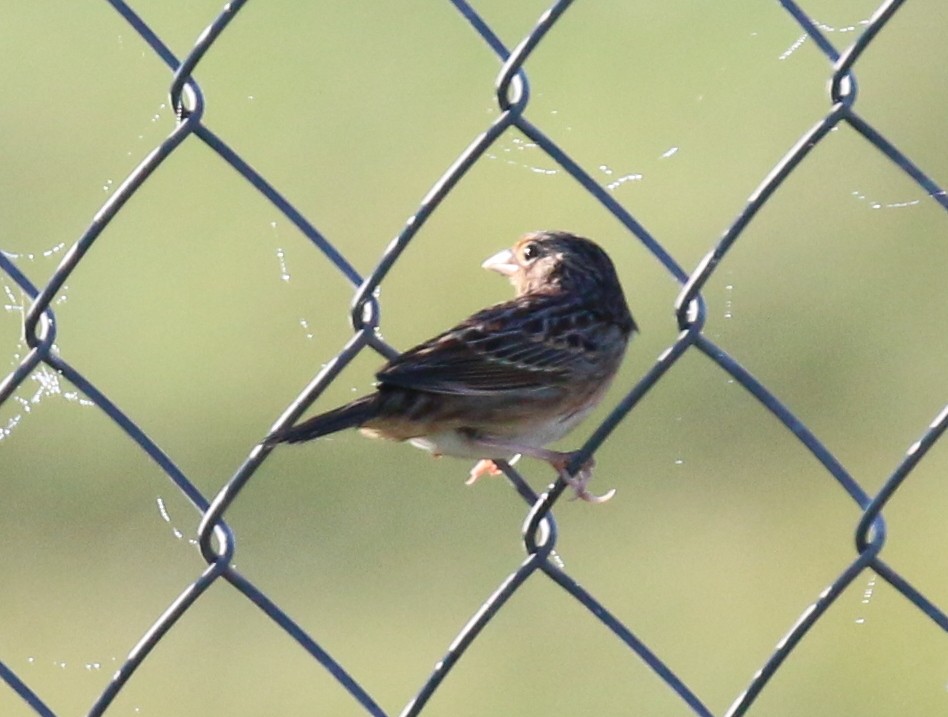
x,y
513,377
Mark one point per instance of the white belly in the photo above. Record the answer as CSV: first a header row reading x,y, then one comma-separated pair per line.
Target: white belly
x,y
461,445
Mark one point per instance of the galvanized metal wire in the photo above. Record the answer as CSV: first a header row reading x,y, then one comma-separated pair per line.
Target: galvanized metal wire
x,y
539,531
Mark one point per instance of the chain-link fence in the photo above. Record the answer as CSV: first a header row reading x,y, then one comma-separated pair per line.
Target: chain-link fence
x,y
216,537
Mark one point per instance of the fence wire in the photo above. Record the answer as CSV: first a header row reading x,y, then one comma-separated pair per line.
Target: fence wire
x,y
216,538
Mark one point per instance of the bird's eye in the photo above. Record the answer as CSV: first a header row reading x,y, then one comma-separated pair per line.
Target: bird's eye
x,y
531,252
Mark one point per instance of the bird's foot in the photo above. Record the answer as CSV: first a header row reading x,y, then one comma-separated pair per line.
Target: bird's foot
x,y
578,482
482,468
557,459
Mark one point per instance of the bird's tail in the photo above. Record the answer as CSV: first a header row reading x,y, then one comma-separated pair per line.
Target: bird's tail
x,y
349,416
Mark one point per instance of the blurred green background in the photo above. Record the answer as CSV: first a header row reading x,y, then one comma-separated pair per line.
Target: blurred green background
x,y
202,313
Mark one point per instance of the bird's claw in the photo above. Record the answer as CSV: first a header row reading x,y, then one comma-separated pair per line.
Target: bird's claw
x,y
578,481
578,484
482,468
579,490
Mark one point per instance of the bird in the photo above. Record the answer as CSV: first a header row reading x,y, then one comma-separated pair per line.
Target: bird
x,y
511,378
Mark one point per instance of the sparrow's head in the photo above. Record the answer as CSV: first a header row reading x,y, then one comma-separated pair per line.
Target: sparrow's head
x,y
566,266
554,262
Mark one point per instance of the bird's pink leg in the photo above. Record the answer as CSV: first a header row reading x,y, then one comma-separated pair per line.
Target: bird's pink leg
x,y
557,459
482,468
578,482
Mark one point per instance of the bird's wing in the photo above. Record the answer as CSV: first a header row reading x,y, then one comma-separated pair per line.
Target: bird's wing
x,y
524,344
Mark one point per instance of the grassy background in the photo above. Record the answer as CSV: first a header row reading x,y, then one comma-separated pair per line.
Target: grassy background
x,y
202,312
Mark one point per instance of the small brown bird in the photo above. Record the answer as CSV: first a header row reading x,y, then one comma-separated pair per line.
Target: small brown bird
x,y
511,378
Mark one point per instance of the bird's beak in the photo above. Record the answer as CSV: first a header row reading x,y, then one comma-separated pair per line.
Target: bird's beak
x,y
503,263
